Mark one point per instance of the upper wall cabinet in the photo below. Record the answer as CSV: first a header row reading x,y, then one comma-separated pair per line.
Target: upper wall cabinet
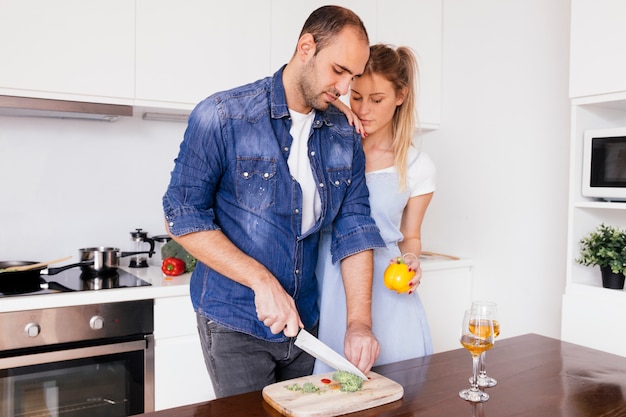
x,y
171,54
68,49
189,49
417,24
598,36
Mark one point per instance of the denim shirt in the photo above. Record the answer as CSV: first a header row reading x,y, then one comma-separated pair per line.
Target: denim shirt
x,y
231,174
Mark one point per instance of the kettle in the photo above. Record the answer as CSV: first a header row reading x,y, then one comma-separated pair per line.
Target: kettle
x,y
139,237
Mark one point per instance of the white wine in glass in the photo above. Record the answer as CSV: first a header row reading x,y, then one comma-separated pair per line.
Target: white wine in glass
x,y
485,381
476,336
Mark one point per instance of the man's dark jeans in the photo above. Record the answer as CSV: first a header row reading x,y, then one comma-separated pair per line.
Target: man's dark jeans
x,y
239,363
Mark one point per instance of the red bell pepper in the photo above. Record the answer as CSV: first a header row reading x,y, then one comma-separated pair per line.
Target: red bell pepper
x,y
173,266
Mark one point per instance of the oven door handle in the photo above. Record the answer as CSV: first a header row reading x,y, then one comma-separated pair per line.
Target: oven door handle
x,y
70,354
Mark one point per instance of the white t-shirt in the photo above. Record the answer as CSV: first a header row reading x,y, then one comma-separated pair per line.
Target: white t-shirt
x,y
420,172
300,167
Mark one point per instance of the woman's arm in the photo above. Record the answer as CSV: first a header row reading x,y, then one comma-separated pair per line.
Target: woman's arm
x,y
411,228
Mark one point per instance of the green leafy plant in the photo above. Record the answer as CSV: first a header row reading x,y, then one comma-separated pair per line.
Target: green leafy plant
x,y
605,247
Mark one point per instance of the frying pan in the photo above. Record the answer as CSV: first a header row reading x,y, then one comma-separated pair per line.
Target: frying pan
x,y
16,282
94,261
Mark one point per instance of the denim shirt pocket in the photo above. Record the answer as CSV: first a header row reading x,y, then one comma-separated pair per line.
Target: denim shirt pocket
x,y
256,182
339,179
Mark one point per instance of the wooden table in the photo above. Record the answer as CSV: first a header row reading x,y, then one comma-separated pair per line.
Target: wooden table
x,y
537,377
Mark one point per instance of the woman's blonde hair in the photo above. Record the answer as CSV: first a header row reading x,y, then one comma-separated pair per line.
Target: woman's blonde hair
x,y
399,66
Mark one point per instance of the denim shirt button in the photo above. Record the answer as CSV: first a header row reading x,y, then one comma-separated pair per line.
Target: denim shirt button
x,y
336,182
266,175
321,185
297,271
312,153
245,174
286,149
171,224
349,181
296,211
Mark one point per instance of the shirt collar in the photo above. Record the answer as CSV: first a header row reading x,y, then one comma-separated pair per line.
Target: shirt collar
x,y
278,101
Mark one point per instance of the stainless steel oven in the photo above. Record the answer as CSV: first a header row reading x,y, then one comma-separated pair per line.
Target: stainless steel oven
x,y
79,361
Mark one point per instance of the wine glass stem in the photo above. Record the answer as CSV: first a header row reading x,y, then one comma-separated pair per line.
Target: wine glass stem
x,y
475,361
483,370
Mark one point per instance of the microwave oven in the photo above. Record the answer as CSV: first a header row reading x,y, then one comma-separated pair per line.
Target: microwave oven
x,y
604,164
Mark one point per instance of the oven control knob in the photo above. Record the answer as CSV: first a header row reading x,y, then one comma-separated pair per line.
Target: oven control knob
x,y
96,322
32,329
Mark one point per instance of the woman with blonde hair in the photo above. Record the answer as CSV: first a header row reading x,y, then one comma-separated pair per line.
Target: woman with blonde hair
x,y
401,182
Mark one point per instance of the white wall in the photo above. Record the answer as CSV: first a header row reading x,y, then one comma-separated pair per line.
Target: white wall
x,y
67,184
502,155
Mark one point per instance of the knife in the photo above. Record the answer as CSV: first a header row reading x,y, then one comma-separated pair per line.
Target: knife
x,y
314,347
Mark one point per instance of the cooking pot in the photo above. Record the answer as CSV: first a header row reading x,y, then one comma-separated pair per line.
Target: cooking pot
x,y
103,259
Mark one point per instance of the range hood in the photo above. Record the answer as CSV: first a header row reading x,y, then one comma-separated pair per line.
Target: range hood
x,y
61,109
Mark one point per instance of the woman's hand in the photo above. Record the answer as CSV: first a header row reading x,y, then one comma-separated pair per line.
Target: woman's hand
x,y
353,119
413,264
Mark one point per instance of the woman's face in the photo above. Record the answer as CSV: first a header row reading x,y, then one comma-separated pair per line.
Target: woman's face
x,y
373,99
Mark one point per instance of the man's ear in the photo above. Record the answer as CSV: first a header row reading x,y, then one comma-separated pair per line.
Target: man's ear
x,y
306,47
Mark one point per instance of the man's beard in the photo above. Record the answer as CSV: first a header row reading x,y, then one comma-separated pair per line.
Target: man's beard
x,y
308,81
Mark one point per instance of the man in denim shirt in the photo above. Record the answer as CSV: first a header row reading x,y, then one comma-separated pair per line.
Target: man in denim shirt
x,y
261,170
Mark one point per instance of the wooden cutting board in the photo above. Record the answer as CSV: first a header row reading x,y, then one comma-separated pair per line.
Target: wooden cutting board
x,y
328,402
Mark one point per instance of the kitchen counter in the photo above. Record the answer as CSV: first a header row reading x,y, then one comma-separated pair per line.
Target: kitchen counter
x,y
537,377
180,376
162,286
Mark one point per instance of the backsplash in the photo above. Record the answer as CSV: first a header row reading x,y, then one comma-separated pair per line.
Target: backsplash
x,y
68,184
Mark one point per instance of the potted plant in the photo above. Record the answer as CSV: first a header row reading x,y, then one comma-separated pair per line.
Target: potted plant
x,y
606,247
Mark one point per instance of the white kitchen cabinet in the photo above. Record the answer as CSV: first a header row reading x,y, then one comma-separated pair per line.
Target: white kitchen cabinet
x,y
180,375
189,49
598,36
446,292
418,25
589,310
68,49
593,318
598,89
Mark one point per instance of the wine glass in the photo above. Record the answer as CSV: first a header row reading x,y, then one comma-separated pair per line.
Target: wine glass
x,y
485,381
477,337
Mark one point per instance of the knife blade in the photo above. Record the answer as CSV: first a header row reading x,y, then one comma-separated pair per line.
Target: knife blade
x,y
316,348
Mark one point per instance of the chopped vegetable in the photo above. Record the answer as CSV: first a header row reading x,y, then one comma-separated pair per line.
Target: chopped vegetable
x,y
309,387
306,387
342,380
173,249
349,381
173,266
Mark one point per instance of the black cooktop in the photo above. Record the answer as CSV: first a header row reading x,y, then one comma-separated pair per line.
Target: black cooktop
x,y
72,280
